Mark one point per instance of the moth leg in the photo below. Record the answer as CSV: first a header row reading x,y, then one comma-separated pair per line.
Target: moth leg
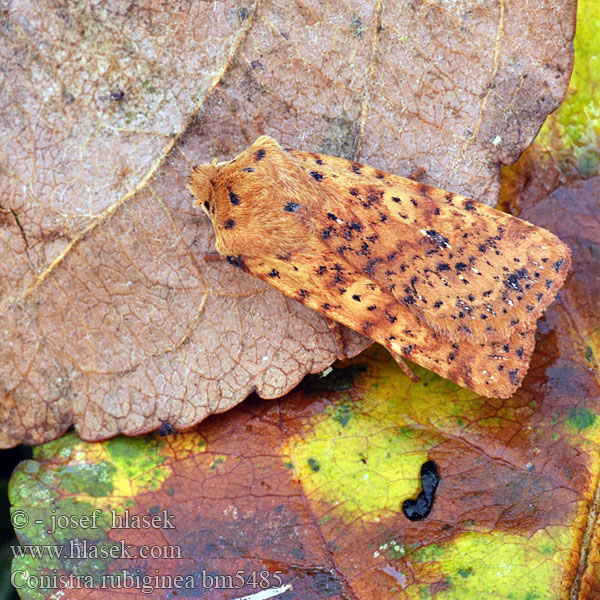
x,y
416,174
334,326
407,370
213,257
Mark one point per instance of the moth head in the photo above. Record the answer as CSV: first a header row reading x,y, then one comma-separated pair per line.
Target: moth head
x,y
200,185
248,200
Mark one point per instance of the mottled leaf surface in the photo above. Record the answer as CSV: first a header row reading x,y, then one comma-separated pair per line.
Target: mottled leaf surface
x,y
110,319
310,488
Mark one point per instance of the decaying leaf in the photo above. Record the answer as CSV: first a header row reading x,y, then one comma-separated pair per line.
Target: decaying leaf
x,y
110,319
310,488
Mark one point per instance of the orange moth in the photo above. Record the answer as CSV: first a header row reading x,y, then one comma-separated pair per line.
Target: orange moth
x,y
442,280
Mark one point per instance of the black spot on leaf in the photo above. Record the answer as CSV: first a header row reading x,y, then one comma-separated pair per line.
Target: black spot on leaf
x,y
165,429
417,510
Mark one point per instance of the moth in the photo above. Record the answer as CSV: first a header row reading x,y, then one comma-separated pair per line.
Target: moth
x,y
445,281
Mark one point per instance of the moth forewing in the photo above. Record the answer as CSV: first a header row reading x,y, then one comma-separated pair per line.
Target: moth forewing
x,y
467,269
492,369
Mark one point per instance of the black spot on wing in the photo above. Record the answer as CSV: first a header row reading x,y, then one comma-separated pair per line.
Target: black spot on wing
x,y
437,238
514,376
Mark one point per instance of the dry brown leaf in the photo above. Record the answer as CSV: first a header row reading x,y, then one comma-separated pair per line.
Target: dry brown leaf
x,y
110,318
